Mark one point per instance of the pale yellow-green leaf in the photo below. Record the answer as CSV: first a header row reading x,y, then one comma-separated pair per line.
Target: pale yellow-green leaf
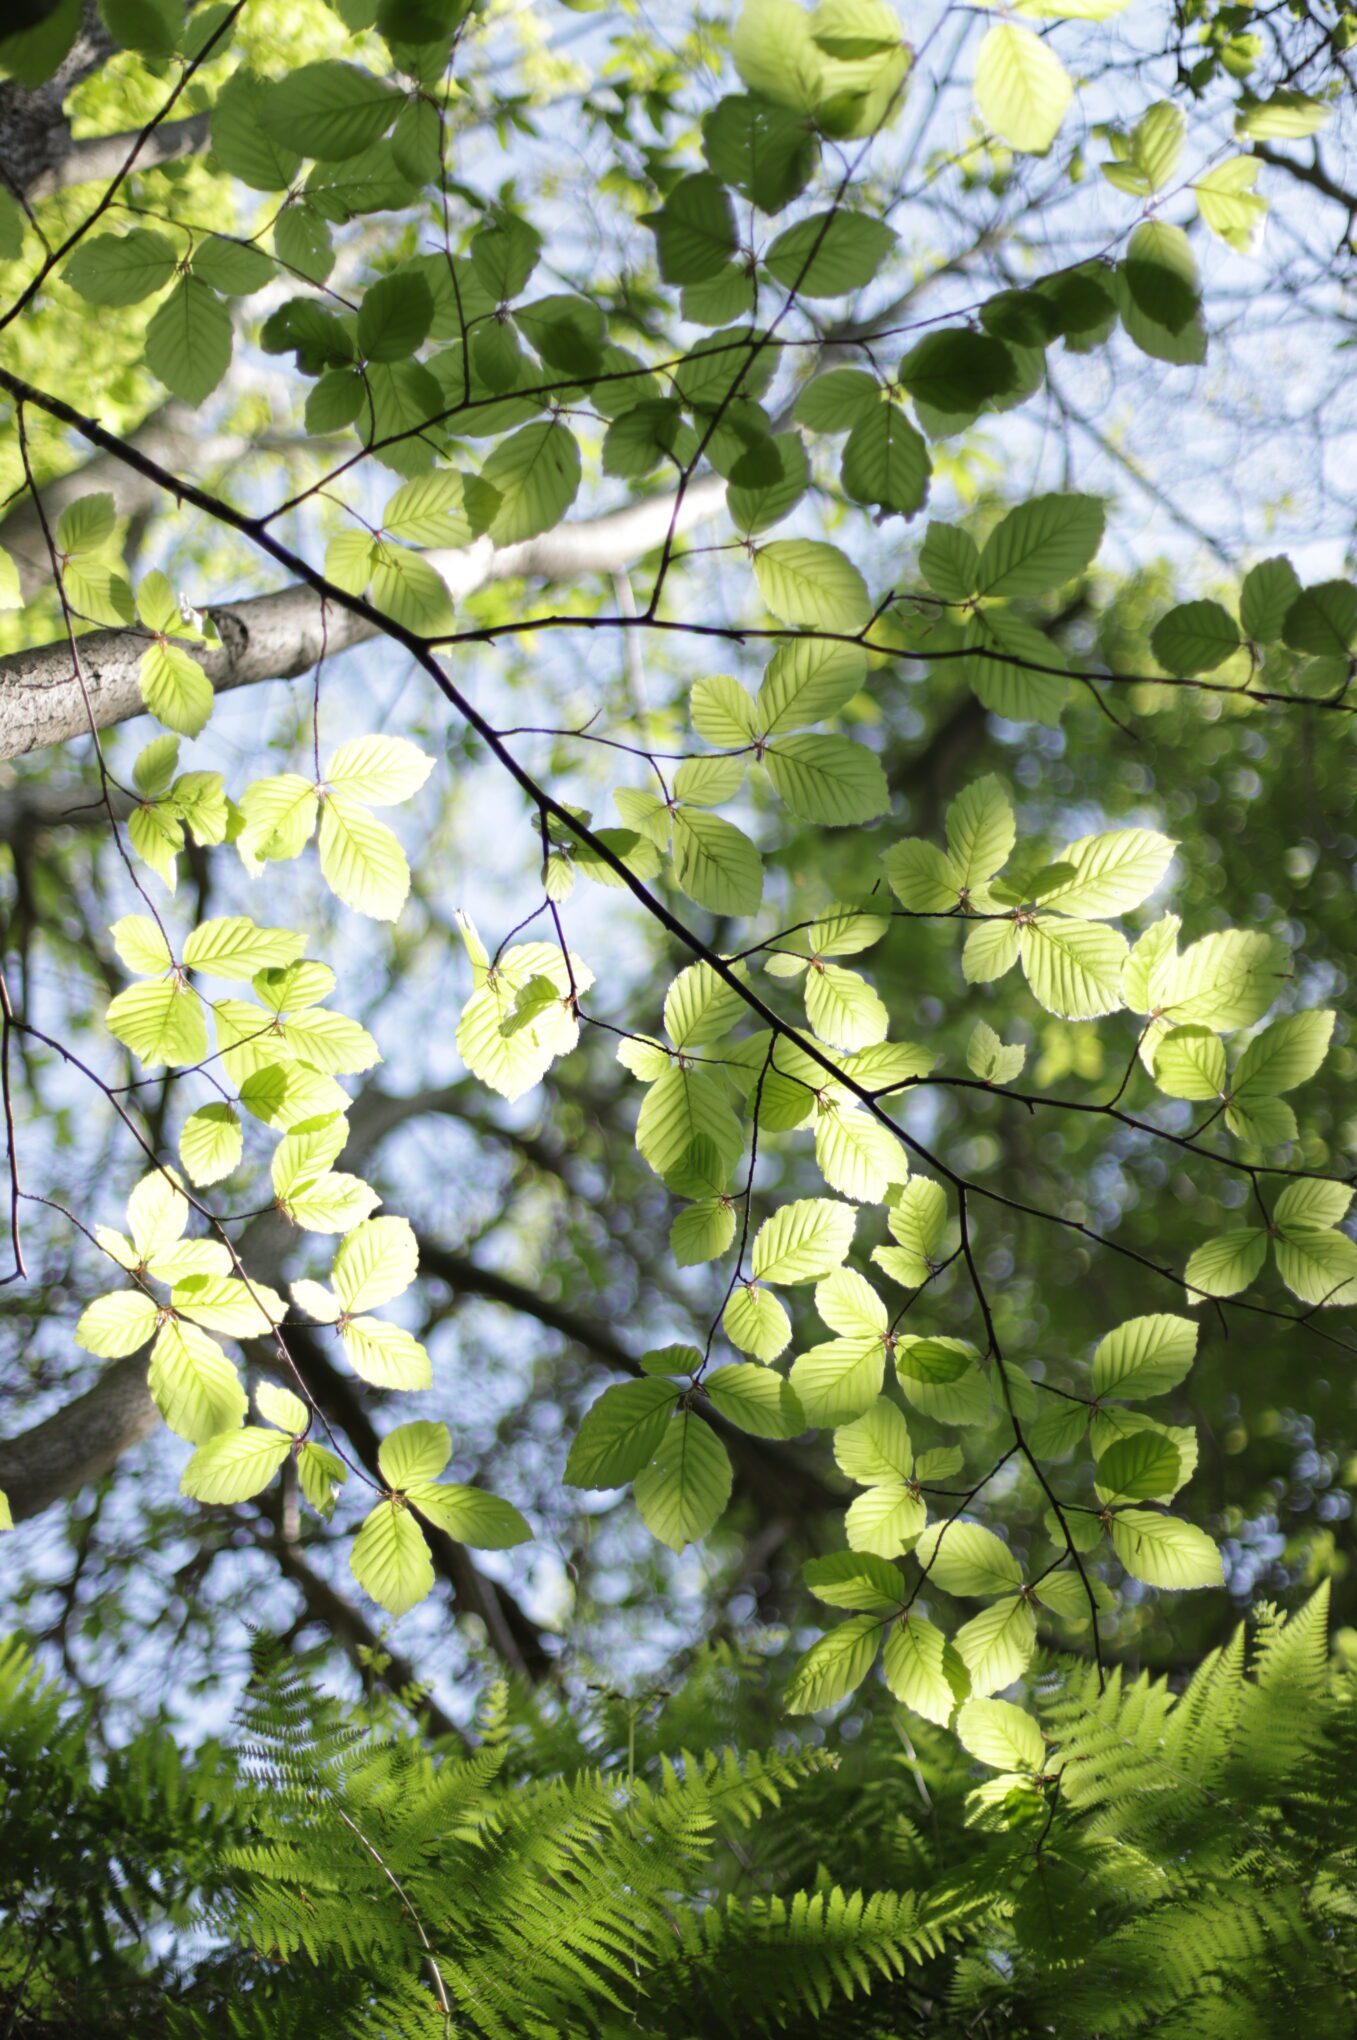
x,y
141,944
376,1262
1228,203
848,1304
981,832
330,1042
1001,1735
1164,1551
715,863
234,1466
175,688
278,1405
160,1023
996,1645
157,838
803,1240
284,1094
362,861
233,947
335,1203
349,557
316,1301
183,1258
965,1558
755,1400
806,681
918,1219
992,948
117,1247
414,1452
295,988
1224,1266
157,1212
700,1007
702,1232
875,1449
321,1475
386,1354
1284,1055
211,1143
683,1492
1111,872
836,1665
390,1558
378,770
1312,1201
755,1322
922,879
885,1520
484,1521
992,1060
116,1324
223,1303
1021,87
828,779
304,1155
840,1379
1074,967
1317,1265
682,1106
1146,1356
843,1008
408,589
813,585
193,1384
279,818
923,1669
722,711
1190,1063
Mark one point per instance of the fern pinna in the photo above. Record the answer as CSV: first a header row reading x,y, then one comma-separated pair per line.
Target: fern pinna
x,y
1132,1862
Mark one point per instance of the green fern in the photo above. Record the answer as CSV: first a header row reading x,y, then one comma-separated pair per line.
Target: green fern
x,y
1186,1867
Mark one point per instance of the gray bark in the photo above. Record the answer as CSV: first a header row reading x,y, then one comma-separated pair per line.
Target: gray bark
x,y
35,135
280,637
97,159
80,1442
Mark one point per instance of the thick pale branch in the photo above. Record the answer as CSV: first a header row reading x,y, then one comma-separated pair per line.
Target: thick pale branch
x,y
280,637
97,158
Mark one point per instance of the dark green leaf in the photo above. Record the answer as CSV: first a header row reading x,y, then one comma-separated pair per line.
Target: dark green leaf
x,y
329,111
695,232
829,254
767,152
394,318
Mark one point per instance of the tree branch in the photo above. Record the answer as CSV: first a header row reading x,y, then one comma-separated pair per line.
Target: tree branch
x,y
279,637
513,1634
80,1442
172,436
96,158
770,1473
337,1614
